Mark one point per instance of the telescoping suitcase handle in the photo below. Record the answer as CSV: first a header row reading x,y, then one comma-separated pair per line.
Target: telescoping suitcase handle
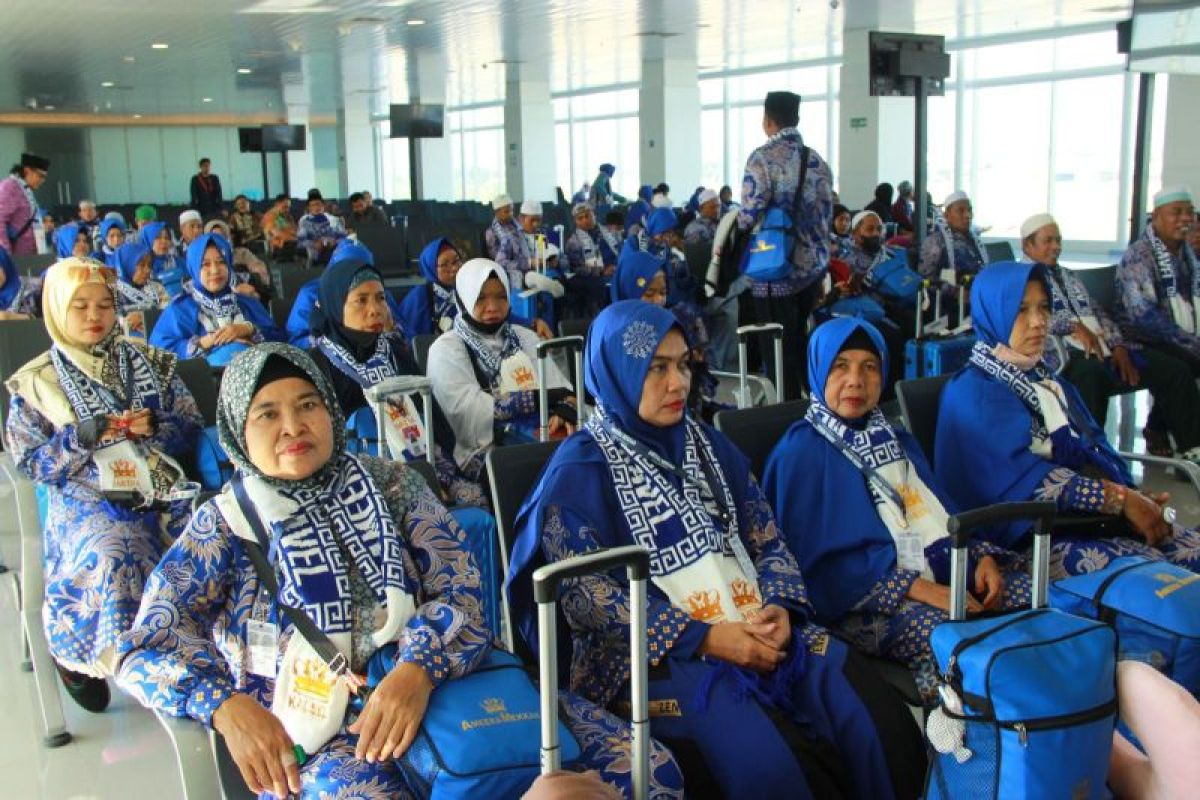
x,y
544,349
744,333
960,527
546,580
378,395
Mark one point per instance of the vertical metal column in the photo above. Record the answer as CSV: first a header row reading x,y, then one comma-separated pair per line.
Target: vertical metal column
x,y
920,208
1141,153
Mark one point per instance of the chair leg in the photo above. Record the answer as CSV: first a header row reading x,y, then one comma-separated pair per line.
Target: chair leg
x,y
32,589
193,756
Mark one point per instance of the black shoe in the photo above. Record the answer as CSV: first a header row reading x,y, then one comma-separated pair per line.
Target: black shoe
x,y
90,693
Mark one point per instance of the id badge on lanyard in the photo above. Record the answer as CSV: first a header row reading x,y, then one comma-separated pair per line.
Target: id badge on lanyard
x,y
39,236
123,469
262,639
404,428
517,374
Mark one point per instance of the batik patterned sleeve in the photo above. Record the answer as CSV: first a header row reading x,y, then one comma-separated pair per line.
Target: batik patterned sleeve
x,y
756,191
179,420
1071,491
779,576
817,220
510,406
599,604
169,661
933,256
1145,319
508,256
43,453
447,637
888,592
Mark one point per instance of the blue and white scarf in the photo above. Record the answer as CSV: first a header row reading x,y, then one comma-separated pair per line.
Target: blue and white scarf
x,y
215,312
310,527
875,446
676,524
379,367
132,383
133,298
1168,280
488,359
444,306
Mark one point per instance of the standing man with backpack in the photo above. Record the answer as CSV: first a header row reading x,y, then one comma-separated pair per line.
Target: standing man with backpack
x,y
787,175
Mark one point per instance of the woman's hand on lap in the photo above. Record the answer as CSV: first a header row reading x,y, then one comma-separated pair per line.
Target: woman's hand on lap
x,y
259,745
989,583
772,626
736,643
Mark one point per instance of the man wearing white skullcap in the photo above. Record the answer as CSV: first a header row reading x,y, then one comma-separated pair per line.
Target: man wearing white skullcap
x,y
704,227
1099,362
1158,287
954,251
865,252
191,225
505,243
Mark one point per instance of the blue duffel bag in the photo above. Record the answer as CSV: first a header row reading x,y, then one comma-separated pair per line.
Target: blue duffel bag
x,y
1027,700
1154,606
894,280
481,733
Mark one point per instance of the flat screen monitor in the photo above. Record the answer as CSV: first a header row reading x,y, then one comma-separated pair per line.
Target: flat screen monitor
x,y
417,121
278,138
250,140
898,60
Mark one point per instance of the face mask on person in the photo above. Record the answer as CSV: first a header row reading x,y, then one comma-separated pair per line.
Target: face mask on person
x,y
871,245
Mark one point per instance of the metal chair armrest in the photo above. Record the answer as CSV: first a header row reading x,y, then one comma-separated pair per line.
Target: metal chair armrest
x,y
1190,470
193,745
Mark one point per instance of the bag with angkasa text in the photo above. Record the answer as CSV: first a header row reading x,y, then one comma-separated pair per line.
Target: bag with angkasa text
x,y
894,280
481,734
1154,607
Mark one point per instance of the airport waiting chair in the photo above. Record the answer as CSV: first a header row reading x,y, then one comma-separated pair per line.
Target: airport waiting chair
x,y
32,588
512,473
21,340
756,431
421,344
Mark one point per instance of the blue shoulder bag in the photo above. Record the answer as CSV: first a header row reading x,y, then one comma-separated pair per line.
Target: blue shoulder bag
x,y
768,255
894,280
1152,605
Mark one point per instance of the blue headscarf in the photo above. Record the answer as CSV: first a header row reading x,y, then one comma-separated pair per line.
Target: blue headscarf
x,y
165,267
350,249
660,220
64,240
646,192
105,227
635,270
608,169
336,282
12,280
621,343
985,428
125,259
822,504
195,258
429,257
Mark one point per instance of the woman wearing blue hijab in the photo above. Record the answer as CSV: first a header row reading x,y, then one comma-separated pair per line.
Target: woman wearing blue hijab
x,y
18,299
70,240
639,276
872,540
298,327
758,695
209,320
431,308
156,236
112,236
137,291
1009,430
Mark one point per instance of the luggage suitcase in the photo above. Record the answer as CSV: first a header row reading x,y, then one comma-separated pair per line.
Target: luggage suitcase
x,y
929,355
546,580
1152,607
379,395
745,398
574,344
1027,699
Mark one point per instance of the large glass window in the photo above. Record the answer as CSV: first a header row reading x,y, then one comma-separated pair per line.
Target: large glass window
x,y
594,128
477,152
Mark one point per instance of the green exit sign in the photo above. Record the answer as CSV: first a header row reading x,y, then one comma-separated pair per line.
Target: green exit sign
x,y
858,122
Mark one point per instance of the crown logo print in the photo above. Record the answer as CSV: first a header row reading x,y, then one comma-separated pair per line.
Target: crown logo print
x,y
124,469
312,678
745,595
493,705
523,376
914,506
705,606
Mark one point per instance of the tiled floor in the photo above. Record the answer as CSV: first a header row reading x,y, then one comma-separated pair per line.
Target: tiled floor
x,y
123,754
